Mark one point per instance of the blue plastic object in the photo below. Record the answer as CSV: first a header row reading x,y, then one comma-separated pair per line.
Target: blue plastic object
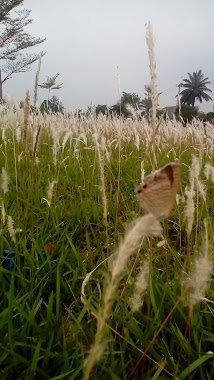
x,y
9,260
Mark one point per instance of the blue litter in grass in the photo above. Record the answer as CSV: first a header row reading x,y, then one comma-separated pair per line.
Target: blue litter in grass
x,y
9,259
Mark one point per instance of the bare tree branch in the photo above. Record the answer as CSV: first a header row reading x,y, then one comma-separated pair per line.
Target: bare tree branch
x,y
21,65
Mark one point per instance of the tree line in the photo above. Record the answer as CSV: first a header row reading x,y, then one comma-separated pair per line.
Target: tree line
x,y
194,88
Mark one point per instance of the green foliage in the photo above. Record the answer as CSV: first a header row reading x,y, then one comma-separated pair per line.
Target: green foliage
x,y
146,103
188,112
202,116
51,105
195,88
127,99
103,109
161,112
50,85
210,116
54,105
140,107
46,331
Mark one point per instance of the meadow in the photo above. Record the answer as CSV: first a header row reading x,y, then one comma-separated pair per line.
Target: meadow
x,y
67,205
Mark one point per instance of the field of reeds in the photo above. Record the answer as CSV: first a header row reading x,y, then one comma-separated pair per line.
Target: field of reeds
x,y
90,287
95,290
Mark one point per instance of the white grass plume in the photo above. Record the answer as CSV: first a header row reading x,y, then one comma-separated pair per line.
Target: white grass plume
x,y
141,284
37,81
144,226
195,172
50,191
4,180
189,208
3,213
11,230
199,278
153,74
209,171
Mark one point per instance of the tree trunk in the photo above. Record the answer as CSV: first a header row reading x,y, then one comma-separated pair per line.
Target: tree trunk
x,y
0,86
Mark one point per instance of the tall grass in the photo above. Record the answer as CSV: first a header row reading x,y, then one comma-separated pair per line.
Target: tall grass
x,y
52,216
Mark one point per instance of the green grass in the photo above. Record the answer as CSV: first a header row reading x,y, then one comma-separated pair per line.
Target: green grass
x,y
46,332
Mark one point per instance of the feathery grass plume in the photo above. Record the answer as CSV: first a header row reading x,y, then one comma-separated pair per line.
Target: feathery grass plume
x,y
102,177
154,95
55,149
141,284
142,171
199,279
108,155
137,141
68,135
189,209
177,199
209,171
18,134
190,202
26,118
162,243
144,226
196,168
11,230
3,136
20,156
153,74
37,81
50,191
4,180
131,110
3,213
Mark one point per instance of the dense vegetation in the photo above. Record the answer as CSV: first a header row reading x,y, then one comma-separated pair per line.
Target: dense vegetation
x,y
67,199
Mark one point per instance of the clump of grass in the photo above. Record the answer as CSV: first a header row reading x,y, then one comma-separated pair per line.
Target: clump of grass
x,y
63,238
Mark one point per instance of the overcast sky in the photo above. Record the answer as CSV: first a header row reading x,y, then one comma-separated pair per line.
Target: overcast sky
x,y
91,42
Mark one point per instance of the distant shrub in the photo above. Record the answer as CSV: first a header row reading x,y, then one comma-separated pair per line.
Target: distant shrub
x,y
188,112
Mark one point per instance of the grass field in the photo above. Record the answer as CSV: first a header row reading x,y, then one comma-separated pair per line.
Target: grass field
x,y
67,202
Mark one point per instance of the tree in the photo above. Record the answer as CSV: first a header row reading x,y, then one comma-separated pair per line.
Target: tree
x,y
102,108
127,98
146,103
50,84
188,112
210,116
14,41
195,88
54,105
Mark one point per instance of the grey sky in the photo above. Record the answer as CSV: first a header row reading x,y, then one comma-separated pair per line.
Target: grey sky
x,y
90,41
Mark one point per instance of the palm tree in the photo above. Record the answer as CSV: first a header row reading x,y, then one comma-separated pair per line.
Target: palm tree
x,y
195,88
50,84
